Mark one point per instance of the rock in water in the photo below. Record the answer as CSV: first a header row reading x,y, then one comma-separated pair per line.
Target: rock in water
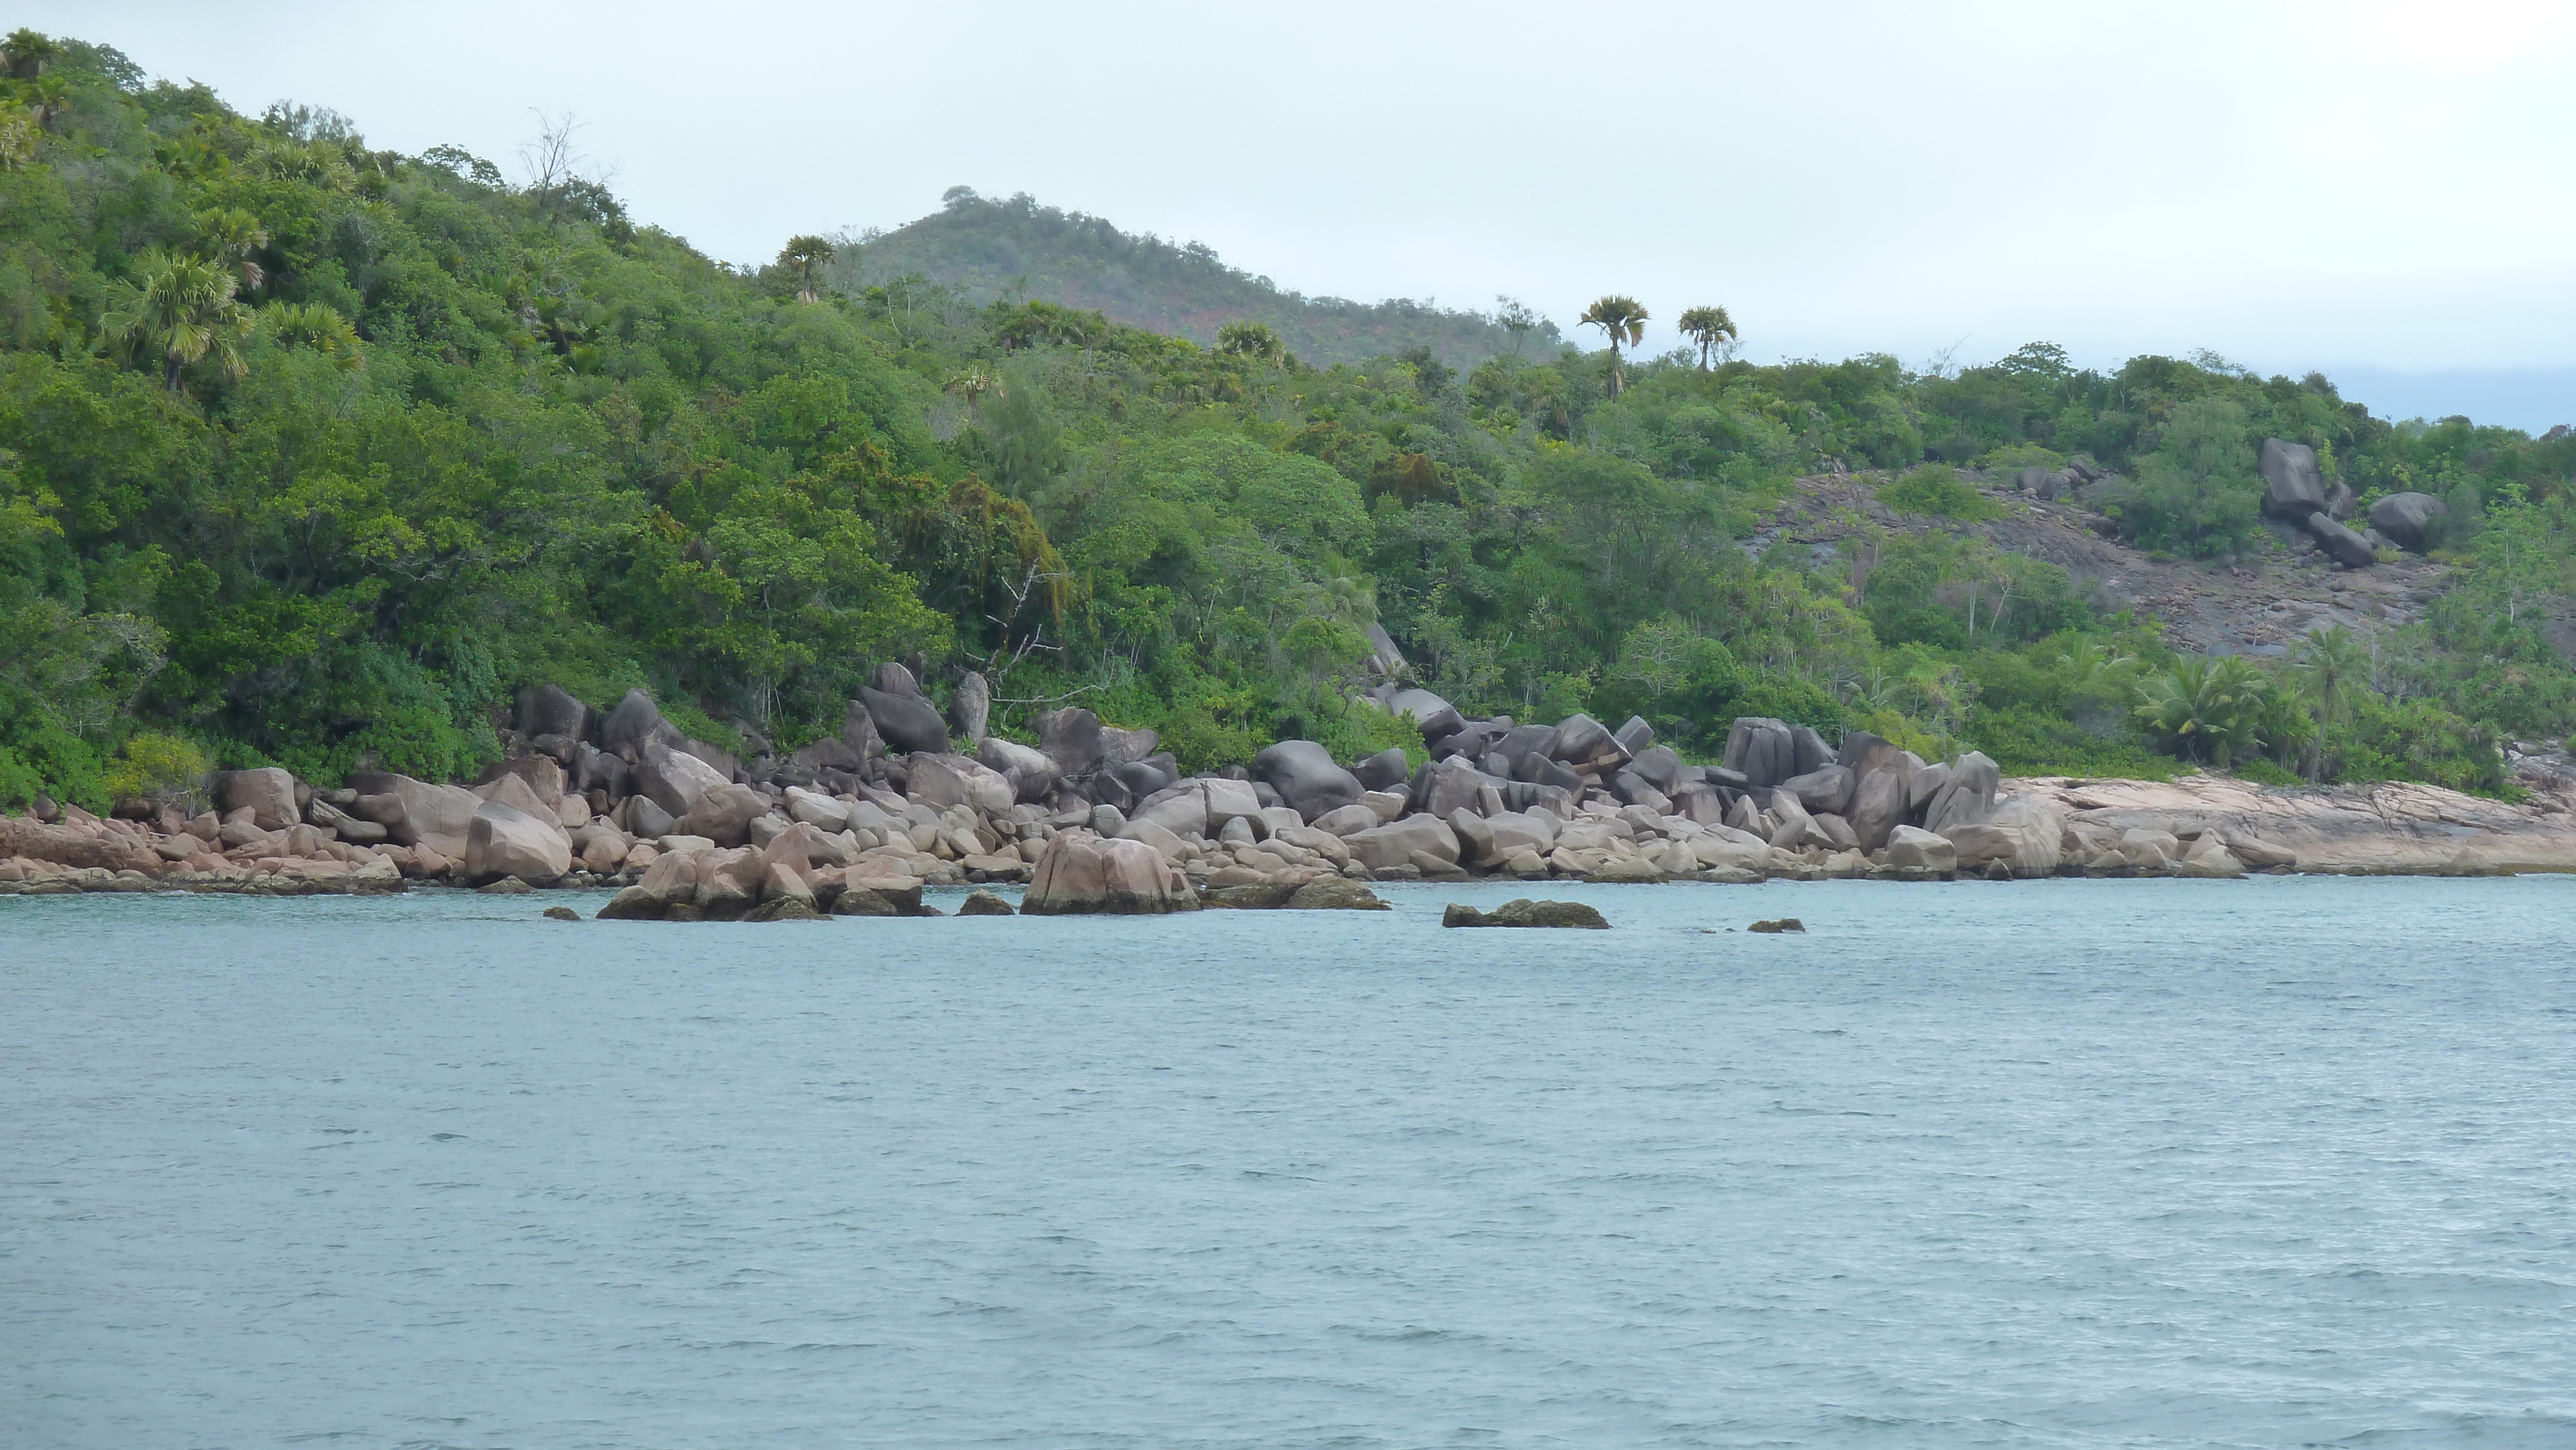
x,y
1080,874
506,886
985,903
564,913
1774,928
505,841
1525,912
1335,893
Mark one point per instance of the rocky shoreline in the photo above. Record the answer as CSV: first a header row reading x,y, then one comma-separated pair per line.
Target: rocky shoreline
x,y
1098,819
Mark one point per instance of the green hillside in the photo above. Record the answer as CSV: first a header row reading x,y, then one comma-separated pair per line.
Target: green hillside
x,y
1019,250
313,453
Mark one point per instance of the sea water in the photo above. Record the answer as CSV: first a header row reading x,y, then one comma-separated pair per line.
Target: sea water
x,y
2068,1163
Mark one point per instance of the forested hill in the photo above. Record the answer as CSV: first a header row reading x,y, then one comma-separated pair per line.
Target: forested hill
x,y
1018,250
313,453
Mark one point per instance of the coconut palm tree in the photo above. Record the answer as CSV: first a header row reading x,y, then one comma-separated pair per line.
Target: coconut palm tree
x,y
1623,319
2330,662
235,236
805,254
1708,326
184,310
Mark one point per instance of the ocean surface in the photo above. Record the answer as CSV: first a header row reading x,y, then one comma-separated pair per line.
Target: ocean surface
x,y
2268,1163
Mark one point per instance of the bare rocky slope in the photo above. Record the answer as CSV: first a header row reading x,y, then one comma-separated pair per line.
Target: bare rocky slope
x,y
2257,606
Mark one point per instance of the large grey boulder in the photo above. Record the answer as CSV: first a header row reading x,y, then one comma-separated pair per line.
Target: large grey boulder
x,y
1921,850
1537,769
1966,797
1080,874
1071,738
552,710
2408,519
723,814
1634,736
1827,788
1029,770
970,707
1307,779
1659,766
908,722
268,794
941,781
2293,488
859,732
2341,544
1230,800
1761,749
1878,806
505,841
635,722
1126,747
1182,811
1453,785
1423,706
415,812
1385,770
1809,750
1587,746
891,678
596,769
674,779
1393,844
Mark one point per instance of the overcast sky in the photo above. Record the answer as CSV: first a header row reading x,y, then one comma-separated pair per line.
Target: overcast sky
x,y
2380,188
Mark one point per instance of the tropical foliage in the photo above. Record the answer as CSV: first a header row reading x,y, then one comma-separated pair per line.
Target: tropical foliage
x,y
313,453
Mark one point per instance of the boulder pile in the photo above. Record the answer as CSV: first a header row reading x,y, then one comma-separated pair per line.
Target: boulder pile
x,y
1096,819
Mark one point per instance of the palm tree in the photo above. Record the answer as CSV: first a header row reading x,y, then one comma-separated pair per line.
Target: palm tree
x,y
234,236
1624,320
1708,326
28,53
805,254
1248,339
2330,662
317,326
2205,703
184,310
975,382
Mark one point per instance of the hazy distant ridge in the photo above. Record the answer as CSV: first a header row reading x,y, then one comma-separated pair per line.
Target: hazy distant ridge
x,y
1018,248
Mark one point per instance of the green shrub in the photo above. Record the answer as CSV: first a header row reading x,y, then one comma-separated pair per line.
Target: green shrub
x,y
154,765
1937,489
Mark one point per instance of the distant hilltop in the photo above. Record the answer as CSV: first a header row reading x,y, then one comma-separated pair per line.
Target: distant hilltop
x,y
1017,249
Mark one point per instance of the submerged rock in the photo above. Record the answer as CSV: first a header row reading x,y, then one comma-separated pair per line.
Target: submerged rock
x,y
1525,912
985,903
1774,928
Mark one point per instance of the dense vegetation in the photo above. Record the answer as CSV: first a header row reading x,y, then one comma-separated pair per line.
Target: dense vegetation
x,y
312,453
974,251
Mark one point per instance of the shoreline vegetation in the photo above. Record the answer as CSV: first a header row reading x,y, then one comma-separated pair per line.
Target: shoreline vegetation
x,y
1097,819
320,462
